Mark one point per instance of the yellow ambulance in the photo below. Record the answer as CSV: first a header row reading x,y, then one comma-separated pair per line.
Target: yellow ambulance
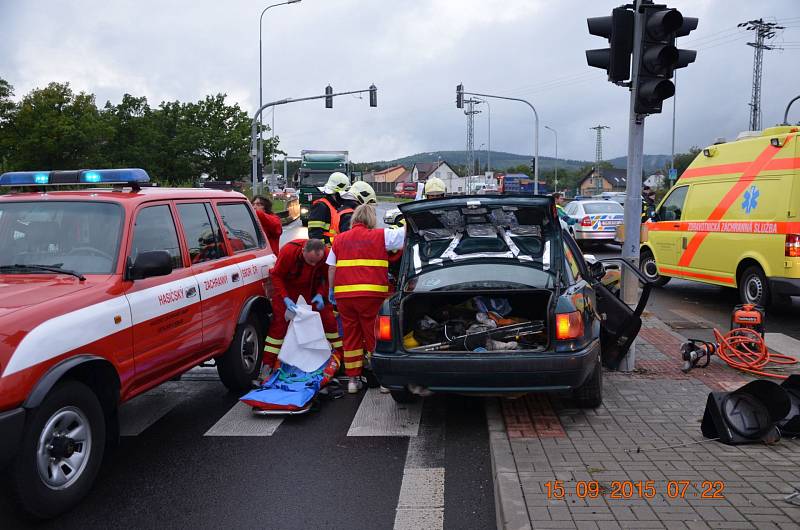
x,y
733,219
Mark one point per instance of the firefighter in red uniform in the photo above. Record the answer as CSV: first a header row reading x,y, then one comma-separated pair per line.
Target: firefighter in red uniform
x,y
270,222
300,270
323,219
358,276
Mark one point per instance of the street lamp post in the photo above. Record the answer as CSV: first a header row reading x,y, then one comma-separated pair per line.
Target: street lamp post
x,y
489,149
373,102
555,181
260,83
535,132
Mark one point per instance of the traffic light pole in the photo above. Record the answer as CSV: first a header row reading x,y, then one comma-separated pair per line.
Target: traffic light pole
x,y
254,128
633,188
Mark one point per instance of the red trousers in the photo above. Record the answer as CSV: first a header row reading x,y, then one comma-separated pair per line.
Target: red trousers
x,y
279,326
358,322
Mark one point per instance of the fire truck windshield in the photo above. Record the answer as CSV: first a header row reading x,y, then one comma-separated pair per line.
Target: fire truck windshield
x,y
72,235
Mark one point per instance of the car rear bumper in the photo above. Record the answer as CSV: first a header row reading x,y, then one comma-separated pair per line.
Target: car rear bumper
x,y
580,235
12,424
487,373
785,286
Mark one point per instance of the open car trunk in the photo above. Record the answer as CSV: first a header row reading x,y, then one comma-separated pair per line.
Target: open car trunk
x,y
476,321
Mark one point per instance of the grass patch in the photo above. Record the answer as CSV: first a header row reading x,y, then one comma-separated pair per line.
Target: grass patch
x,y
389,198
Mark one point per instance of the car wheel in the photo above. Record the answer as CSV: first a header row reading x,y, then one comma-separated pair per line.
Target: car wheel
x,y
403,396
241,363
62,448
754,287
590,394
649,268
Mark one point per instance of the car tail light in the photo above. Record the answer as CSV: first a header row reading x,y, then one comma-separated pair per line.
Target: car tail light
x,y
793,245
383,328
586,221
569,325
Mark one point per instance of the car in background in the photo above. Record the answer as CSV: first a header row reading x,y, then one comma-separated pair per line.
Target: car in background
x,y
597,219
392,217
505,260
406,190
286,194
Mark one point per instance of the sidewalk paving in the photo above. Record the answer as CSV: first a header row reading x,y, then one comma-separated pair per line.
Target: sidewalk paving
x,y
631,437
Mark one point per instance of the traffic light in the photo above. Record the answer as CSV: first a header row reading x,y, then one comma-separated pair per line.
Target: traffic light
x,y
328,97
618,29
659,56
373,96
460,96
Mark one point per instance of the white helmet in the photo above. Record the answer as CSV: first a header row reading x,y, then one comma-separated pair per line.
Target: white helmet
x,y
338,182
363,193
434,186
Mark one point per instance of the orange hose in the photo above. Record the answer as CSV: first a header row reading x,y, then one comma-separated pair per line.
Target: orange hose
x,y
745,350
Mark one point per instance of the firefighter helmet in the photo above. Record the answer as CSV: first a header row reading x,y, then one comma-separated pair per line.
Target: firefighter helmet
x,y
338,182
363,193
434,188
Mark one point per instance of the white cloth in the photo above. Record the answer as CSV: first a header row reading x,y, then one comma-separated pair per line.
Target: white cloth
x,y
393,238
305,345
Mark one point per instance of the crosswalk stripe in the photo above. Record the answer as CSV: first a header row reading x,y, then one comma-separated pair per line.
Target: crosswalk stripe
x,y
783,344
143,411
379,415
240,421
421,500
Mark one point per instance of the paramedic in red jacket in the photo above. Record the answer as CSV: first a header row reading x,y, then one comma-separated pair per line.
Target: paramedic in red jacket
x,y
358,275
300,270
270,222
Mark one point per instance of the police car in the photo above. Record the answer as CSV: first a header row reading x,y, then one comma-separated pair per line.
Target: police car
x,y
104,294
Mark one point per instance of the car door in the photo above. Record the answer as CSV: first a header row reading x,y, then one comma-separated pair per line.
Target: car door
x,y
667,235
165,310
619,324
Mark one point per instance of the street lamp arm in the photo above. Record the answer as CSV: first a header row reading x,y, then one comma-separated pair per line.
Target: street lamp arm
x,y
536,132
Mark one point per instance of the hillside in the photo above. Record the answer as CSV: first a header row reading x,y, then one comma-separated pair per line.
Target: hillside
x,y
502,160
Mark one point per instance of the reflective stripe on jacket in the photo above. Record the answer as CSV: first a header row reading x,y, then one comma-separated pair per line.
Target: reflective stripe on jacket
x,y
362,263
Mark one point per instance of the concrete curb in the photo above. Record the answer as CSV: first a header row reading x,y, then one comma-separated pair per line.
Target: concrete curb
x,y
509,500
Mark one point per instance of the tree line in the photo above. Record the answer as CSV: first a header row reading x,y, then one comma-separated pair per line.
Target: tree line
x,y
56,128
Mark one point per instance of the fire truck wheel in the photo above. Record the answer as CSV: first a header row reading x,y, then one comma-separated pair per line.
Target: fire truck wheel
x,y
590,394
238,366
61,451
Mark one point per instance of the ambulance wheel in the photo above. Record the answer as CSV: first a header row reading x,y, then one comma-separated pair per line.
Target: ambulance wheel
x,y
403,396
62,448
648,266
590,394
238,366
753,287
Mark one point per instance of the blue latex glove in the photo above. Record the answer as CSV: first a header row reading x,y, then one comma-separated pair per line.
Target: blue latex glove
x,y
290,305
331,298
318,302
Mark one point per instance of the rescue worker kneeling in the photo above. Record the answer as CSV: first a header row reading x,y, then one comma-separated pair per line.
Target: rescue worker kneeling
x,y
300,270
358,276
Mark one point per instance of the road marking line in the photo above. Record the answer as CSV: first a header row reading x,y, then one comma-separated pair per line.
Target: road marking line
x,y
783,344
143,411
379,415
421,500
239,421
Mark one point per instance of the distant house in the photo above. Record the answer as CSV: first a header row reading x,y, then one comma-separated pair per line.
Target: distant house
x,y
454,182
388,175
596,182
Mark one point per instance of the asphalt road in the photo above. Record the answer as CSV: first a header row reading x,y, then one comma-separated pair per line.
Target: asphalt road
x,y
192,457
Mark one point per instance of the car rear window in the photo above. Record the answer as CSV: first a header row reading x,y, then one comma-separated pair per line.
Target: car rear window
x,y
240,226
603,207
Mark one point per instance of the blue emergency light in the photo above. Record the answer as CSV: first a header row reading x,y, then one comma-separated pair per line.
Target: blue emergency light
x,y
132,176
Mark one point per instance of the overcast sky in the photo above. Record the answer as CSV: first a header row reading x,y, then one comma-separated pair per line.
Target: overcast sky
x,y
416,52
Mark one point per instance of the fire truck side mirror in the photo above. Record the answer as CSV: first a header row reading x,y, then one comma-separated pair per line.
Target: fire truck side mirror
x,y
149,264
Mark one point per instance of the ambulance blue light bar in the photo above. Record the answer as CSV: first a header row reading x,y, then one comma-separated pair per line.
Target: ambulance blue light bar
x,y
133,176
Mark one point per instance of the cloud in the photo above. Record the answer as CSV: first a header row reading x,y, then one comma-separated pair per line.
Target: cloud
x,y
415,51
